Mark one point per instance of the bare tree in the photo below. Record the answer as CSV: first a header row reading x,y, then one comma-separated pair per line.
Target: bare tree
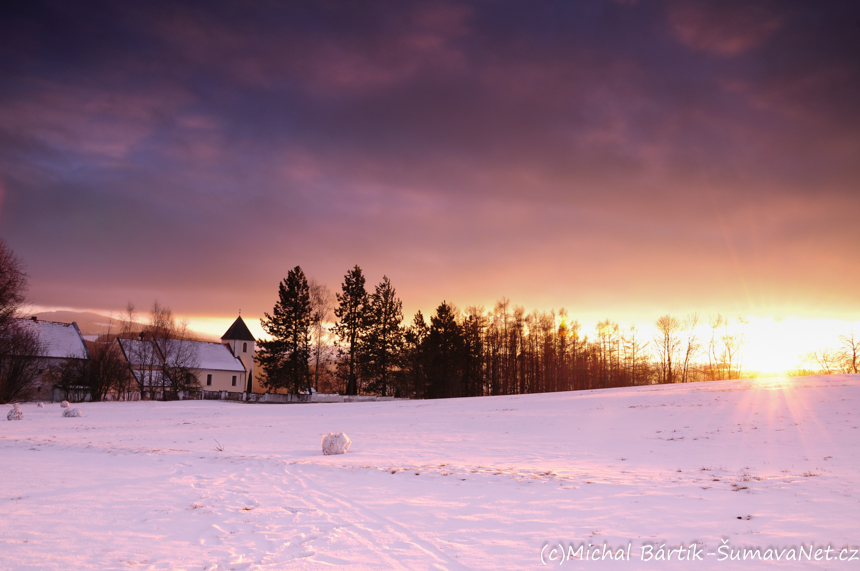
x,y
667,342
322,308
109,372
20,345
128,324
733,341
608,338
562,343
20,360
576,343
163,356
828,360
850,351
178,352
636,354
716,323
13,287
691,344
146,364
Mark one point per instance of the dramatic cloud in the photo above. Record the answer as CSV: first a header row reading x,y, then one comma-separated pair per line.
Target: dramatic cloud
x,y
617,158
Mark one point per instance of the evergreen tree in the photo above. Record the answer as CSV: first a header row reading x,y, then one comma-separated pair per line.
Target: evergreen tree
x,y
473,328
415,339
284,358
350,328
445,349
383,342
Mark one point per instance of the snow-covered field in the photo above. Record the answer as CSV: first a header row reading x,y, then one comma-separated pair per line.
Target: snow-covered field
x,y
484,483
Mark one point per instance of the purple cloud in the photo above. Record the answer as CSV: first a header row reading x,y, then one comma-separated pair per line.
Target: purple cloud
x,y
597,155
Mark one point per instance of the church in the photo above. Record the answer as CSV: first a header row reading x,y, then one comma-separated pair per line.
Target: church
x,y
221,367
242,344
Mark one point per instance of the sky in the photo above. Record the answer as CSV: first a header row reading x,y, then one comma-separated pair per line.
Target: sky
x,y
621,159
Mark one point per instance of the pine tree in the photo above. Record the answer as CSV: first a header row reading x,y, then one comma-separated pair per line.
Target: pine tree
x,y
474,327
350,328
383,343
445,349
284,358
414,359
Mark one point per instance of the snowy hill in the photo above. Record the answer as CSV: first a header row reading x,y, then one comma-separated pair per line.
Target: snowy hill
x,y
479,483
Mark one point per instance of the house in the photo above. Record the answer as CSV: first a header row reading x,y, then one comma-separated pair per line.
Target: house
x,y
242,344
225,367
61,343
220,369
213,364
147,365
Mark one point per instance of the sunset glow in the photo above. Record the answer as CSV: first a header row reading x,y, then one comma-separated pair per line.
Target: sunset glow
x,y
430,284
779,346
468,151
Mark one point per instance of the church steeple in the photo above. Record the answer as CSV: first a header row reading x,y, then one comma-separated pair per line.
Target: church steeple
x,y
242,343
238,331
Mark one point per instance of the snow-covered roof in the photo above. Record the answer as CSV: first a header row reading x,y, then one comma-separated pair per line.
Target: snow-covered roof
x,y
139,353
218,357
202,355
60,340
179,352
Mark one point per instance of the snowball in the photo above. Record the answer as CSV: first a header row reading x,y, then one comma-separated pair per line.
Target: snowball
x,y
72,412
64,404
335,443
15,413
41,405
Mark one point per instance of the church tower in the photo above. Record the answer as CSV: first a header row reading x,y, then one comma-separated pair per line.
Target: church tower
x,y
240,341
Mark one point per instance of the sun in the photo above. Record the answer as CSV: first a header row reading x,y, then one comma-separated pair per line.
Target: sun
x,y
775,346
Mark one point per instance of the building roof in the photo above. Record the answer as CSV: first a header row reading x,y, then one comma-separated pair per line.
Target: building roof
x,y
217,357
139,353
59,340
201,355
239,331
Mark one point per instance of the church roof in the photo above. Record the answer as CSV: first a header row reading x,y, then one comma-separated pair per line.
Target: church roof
x,y
238,331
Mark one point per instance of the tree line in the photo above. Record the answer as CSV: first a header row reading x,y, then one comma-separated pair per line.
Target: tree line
x,y
475,352
356,342
844,358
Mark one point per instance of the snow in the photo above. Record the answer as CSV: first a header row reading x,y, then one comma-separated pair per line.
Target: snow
x,y
15,413
481,483
335,443
60,340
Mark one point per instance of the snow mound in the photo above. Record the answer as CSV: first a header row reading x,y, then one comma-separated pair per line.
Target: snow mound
x,y
64,404
41,405
15,413
72,412
335,443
